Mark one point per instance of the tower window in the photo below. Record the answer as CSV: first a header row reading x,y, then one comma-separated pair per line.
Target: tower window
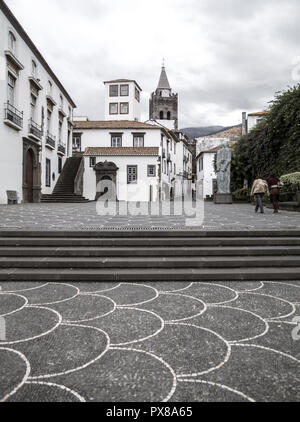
x,y
113,108
161,115
124,108
169,115
124,90
114,90
137,95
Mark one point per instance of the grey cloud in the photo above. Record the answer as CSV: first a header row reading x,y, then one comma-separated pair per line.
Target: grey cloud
x,y
223,56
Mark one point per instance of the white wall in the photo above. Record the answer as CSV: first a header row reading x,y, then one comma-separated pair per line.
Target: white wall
x,y
134,105
125,192
207,174
102,137
253,121
11,158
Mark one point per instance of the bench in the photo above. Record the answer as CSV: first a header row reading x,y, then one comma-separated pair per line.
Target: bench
x,y
12,197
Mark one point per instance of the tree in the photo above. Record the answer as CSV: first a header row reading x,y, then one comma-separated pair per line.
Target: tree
x,y
273,146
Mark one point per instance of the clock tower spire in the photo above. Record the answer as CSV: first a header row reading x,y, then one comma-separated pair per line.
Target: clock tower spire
x,y
163,103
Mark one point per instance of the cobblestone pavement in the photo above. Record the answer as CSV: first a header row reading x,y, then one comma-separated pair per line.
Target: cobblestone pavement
x,y
84,217
150,342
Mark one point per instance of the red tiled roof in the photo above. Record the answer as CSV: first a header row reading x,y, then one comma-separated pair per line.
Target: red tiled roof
x,y
235,132
259,113
216,149
113,124
122,151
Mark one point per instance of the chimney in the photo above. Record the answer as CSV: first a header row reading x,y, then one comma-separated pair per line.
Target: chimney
x,y
244,124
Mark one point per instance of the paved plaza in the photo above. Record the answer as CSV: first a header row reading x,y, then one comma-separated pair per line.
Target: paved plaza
x,y
85,217
152,342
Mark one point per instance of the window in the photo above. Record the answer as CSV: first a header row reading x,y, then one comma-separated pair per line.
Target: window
x,y
161,115
116,140
61,102
49,116
113,108
49,88
33,69
69,113
11,42
174,168
138,141
11,86
48,173
131,174
77,142
60,130
169,115
171,145
201,164
124,90
32,106
137,95
59,165
92,162
124,108
114,90
151,171
174,147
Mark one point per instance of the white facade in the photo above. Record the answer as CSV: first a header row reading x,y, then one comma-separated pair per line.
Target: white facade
x,y
28,89
251,120
122,100
105,141
145,189
206,175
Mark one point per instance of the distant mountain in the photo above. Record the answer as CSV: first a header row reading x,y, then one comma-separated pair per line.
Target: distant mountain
x,y
198,132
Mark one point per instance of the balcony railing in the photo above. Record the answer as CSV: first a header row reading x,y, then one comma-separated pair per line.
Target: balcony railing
x,y
50,140
13,115
35,129
61,148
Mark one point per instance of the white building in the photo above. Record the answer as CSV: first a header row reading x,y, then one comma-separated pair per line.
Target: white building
x,y
122,100
251,120
35,116
145,161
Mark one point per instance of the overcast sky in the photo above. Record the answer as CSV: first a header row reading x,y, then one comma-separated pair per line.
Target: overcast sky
x,y
222,56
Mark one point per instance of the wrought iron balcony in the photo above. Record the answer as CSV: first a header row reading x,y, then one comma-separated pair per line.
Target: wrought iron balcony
x,y
35,130
12,115
61,148
50,140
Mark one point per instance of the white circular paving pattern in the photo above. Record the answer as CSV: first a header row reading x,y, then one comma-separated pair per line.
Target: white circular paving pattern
x,y
149,342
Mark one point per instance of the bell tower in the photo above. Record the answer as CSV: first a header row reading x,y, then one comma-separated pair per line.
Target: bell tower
x,y
163,103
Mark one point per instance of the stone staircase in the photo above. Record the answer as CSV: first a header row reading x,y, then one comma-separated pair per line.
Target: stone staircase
x,y
64,189
127,256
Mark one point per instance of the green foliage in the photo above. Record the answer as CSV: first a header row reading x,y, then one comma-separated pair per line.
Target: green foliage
x,y
292,180
241,194
273,146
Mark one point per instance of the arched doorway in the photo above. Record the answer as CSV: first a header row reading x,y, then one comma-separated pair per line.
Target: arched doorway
x,y
29,175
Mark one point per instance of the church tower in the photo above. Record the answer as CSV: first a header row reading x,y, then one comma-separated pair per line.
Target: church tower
x,y
164,104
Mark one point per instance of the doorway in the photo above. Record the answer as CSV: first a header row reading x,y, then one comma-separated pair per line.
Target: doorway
x,y
29,175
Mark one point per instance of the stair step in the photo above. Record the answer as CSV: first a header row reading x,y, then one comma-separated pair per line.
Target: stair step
x,y
142,275
164,262
91,251
146,242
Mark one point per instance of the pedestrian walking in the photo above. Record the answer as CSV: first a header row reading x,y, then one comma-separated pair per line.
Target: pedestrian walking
x,y
259,189
274,187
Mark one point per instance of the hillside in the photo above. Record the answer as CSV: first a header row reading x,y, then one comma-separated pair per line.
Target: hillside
x,y
198,132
